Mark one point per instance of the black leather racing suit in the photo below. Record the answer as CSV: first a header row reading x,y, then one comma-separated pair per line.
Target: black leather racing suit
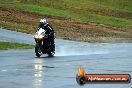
x,y
49,30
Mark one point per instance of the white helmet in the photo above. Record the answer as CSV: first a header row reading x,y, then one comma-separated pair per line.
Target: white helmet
x,y
43,21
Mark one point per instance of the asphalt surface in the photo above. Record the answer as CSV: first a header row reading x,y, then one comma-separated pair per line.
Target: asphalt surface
x,y
21,68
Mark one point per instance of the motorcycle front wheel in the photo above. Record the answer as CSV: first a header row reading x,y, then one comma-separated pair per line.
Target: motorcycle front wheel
x,y
38,51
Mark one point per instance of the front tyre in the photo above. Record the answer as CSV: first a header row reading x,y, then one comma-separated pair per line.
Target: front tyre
x,y
38,51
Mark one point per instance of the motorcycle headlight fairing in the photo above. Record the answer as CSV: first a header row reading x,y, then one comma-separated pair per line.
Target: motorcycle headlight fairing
x,y
38,37
35,36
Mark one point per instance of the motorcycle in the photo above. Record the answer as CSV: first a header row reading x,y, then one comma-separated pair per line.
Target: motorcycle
x,y
43,44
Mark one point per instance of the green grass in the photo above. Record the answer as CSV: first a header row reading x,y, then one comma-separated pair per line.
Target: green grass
x,y
82,4
12,45
109,12
86,20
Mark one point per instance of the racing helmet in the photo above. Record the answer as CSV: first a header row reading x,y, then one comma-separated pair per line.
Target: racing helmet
x,y
42,21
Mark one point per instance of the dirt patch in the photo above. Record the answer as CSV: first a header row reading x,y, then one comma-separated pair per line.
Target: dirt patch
x,y
110,12
65,28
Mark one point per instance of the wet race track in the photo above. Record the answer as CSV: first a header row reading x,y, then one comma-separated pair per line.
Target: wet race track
x,y
22,69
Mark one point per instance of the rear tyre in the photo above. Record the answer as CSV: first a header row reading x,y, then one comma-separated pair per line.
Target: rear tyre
x,y
51,52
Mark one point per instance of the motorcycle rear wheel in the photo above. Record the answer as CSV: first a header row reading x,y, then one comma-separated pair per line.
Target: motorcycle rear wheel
x,y
51,52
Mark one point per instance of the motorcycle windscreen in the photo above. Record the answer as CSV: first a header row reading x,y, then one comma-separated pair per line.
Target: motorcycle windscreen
x,y
40,31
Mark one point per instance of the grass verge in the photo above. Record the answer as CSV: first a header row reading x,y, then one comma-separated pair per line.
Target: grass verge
x,y
85,20
13,45
81,16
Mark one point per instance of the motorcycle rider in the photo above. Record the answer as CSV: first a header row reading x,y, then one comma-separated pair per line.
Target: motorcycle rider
x,y
49,30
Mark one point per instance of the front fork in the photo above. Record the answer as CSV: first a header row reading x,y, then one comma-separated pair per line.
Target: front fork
x,y
39,45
